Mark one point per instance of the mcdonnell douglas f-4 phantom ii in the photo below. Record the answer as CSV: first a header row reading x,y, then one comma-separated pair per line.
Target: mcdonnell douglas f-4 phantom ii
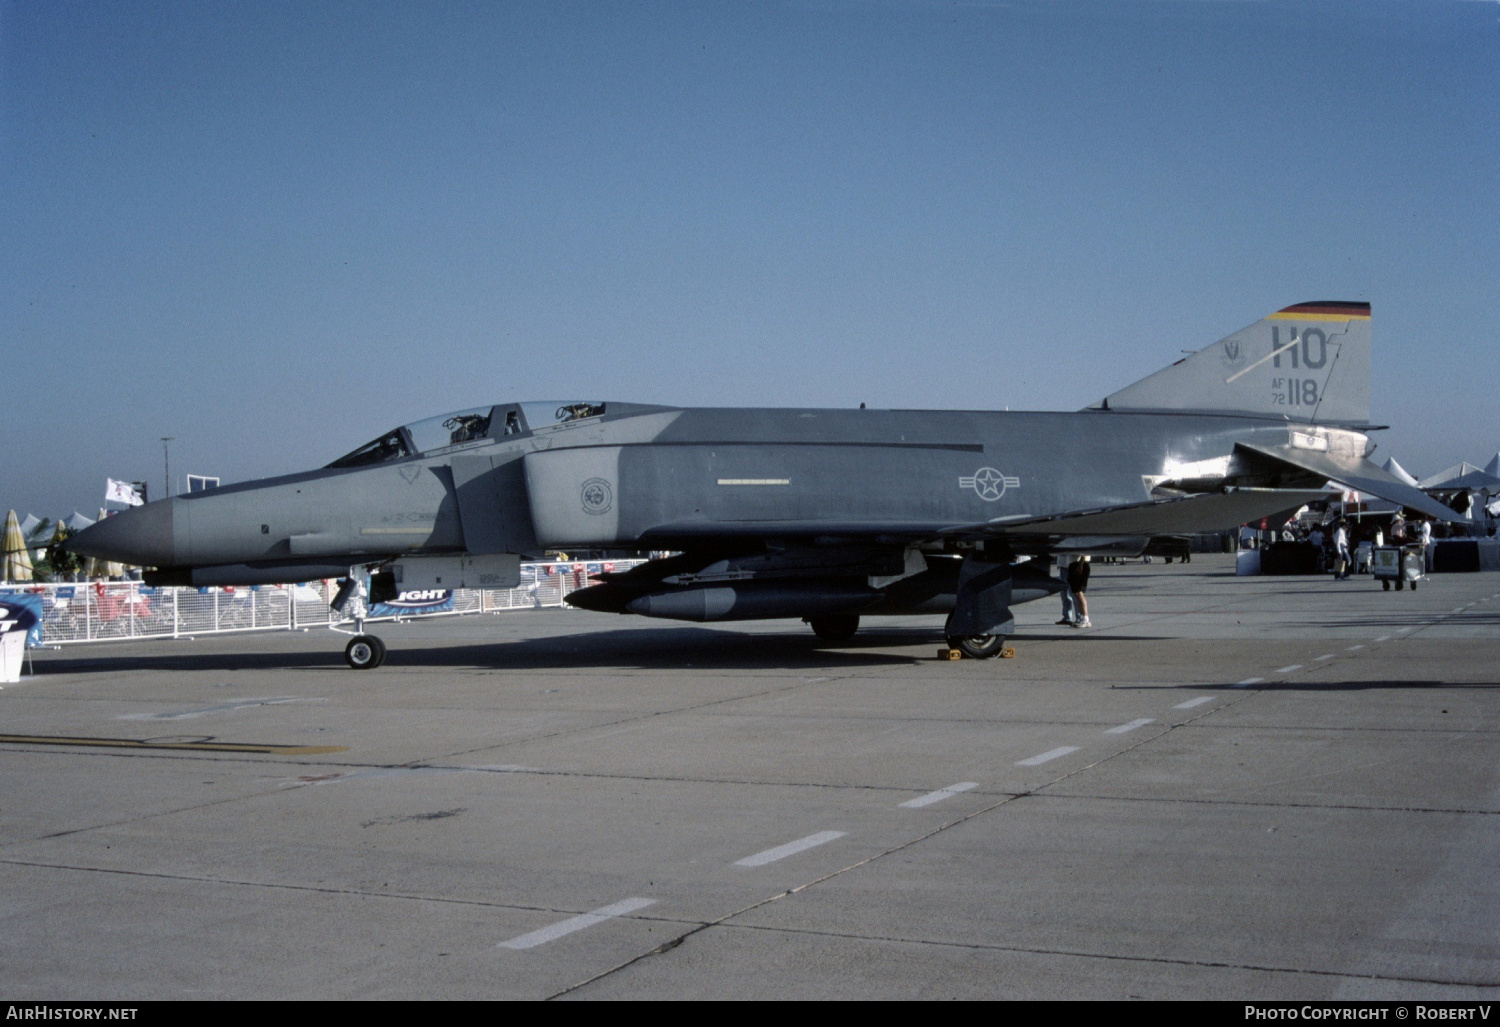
x,y
824,515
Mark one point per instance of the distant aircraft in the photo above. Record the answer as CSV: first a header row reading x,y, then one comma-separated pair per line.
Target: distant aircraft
x,y
824,515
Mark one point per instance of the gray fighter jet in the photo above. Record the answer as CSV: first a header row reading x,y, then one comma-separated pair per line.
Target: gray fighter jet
x,y
824,515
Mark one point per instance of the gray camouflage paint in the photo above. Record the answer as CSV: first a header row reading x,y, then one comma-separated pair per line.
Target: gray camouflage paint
x,y
869,483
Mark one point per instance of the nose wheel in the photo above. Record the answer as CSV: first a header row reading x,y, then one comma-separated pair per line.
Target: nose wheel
x,y
364,652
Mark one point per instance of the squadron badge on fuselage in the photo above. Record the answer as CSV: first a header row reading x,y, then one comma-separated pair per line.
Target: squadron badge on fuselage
x,y
597,496
989,484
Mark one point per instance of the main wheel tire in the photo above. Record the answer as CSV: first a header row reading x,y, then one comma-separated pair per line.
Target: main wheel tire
x,y
834,627
977,647
364,652
1413,586
1385,585
1400,584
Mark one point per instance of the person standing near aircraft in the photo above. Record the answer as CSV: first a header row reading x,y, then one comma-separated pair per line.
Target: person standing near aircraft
x,y
1078,584
1342,562
1069,607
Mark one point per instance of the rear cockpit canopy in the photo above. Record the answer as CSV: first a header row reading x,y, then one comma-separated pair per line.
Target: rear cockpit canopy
x,y
549,413
466,427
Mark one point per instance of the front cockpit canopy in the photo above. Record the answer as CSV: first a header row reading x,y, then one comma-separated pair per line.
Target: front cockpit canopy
x,y
435,434
390,446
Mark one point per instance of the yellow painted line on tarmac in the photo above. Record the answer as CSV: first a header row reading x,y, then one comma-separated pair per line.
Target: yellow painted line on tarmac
x,y
147,743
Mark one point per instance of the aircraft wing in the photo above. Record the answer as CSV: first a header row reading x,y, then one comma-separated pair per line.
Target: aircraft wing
x,y
683,533
1209,511
1357,473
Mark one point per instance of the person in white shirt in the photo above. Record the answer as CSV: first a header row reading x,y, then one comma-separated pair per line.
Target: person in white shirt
x,y
1341,549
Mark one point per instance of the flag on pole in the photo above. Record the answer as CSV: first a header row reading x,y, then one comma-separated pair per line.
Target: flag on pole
x,y
121,492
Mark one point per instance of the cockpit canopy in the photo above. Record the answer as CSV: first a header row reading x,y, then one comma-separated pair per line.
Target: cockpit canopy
x,y
463,427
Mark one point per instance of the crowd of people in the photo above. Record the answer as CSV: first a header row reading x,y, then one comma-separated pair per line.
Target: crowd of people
x,y
1343,546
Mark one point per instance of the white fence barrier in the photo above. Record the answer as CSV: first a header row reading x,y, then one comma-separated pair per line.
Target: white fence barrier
x,y
106,611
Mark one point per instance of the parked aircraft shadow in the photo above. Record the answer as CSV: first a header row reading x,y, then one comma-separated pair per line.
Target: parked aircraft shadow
x,y
672,649
116,662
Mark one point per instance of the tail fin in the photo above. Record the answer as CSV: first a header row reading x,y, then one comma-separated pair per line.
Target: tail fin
x,y
1309,362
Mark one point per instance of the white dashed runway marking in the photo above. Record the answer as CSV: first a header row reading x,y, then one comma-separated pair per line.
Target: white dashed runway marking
x,y
1326,656
812,841
1123,728
577,923
1193,702
939,795
1288,670
1049,755
1383,638
1248,682
1353,648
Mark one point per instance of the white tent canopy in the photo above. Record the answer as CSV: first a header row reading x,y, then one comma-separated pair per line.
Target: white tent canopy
x,y
1461,476
1400,472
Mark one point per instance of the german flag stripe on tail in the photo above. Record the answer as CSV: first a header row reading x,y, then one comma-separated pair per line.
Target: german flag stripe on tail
x,y
1323,310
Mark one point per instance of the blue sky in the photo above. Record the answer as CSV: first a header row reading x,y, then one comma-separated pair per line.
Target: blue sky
x,y
274,230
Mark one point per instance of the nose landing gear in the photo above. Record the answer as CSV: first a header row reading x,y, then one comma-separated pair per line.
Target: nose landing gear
x,y
364,652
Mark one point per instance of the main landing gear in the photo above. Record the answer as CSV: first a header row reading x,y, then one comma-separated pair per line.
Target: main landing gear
x,y
364,652
834,627
981,617
977,647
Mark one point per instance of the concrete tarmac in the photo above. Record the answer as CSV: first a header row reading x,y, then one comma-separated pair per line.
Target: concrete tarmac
x,y
1252,788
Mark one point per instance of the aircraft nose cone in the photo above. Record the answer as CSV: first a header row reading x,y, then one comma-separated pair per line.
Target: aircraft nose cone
x,y
141,536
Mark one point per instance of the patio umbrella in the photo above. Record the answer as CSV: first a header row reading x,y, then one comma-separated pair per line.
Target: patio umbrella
x,y
17,559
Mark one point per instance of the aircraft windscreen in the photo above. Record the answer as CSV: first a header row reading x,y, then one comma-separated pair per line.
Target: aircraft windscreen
x,y
549,413
450,429
390,446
